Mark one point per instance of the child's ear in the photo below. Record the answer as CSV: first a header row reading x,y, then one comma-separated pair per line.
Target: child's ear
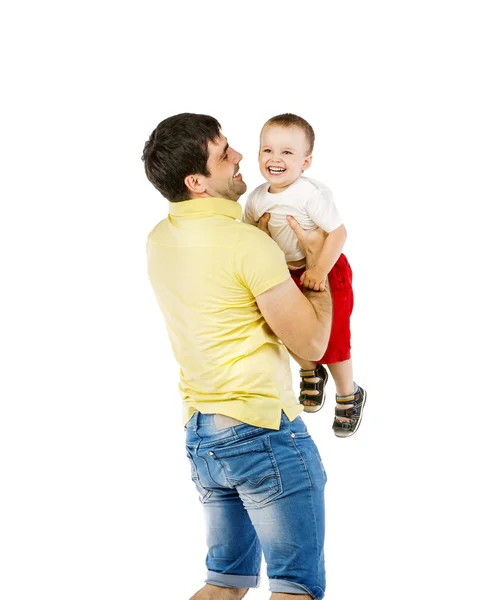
x,y
307,162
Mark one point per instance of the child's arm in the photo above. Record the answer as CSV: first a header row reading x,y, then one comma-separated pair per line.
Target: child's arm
x,y
315,278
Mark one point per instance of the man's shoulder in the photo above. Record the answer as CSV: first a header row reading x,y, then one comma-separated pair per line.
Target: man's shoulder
x,y
258,259
254,243
157,230
252,235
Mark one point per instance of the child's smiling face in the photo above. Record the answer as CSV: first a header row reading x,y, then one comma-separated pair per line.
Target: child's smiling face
x,y
283,155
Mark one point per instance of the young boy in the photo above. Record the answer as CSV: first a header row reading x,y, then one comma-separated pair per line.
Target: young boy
x,y
286,146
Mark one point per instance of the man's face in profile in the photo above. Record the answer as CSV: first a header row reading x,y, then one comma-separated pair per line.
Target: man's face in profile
x,y
225,180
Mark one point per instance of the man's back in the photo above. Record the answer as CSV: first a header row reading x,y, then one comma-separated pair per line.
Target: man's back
x,y
231,362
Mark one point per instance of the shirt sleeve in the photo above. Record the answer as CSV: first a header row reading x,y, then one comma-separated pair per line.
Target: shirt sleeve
x,y
323,211
259,262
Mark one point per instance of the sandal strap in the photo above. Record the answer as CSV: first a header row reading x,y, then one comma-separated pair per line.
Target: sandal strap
x,y
346,412
316,399
344,425
356,400
317,386
312,385
319,371
354,411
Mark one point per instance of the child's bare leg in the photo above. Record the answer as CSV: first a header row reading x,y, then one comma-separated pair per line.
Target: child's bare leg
x,y
308,365
342,373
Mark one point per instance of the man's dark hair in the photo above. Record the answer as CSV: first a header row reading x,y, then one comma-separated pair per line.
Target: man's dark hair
x,y
290,120
178,147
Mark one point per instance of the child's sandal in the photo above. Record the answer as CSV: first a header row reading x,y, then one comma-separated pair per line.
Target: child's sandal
x,y
318,386
344,429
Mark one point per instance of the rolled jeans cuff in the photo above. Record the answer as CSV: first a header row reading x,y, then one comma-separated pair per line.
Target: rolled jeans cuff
x,y
288,587
232,581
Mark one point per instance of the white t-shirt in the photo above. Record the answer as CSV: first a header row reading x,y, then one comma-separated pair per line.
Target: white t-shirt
x,y
308,201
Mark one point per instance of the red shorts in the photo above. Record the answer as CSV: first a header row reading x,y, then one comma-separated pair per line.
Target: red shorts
x,y
340,283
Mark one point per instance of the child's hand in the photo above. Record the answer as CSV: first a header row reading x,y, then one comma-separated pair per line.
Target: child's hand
x,y
314,279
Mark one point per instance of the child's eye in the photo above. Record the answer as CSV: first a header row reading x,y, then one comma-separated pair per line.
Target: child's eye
x,y
287,152
266,150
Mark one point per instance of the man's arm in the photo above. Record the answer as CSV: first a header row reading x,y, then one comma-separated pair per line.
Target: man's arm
x,y
301,320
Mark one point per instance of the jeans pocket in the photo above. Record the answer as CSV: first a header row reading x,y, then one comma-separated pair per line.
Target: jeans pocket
x,y
204,494
251,469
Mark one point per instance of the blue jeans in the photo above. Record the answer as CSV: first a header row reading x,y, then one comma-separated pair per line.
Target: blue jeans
x,y
261,490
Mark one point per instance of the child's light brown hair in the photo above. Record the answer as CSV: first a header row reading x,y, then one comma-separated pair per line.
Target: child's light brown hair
x,y
291,120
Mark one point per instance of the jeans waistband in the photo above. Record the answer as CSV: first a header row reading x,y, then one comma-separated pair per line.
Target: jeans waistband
x,y
216,421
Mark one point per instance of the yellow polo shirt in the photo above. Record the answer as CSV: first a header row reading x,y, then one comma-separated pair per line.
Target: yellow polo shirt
x,y
206,269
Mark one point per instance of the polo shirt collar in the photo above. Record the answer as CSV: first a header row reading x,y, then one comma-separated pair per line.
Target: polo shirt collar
x,y
206,206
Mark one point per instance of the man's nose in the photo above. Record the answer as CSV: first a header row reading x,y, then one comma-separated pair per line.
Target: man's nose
x,y
237,156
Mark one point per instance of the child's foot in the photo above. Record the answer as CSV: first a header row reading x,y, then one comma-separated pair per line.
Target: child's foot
x,y
348,414
312,394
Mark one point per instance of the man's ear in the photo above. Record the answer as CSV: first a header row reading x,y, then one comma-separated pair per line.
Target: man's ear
x,y
196,184
307,162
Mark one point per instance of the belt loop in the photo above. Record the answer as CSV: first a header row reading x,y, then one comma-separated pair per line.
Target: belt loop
x,y
196,420
192,424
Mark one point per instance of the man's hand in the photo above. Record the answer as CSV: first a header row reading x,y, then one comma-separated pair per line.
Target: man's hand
x,y
311,241
262,224
314,279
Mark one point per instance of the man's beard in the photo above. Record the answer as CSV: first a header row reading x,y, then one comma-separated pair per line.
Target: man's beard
x,y
231,189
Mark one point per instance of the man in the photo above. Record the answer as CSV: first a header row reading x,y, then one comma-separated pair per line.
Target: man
x,y
227,298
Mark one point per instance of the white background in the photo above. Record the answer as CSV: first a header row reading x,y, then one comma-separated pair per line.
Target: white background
x,y
406,99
